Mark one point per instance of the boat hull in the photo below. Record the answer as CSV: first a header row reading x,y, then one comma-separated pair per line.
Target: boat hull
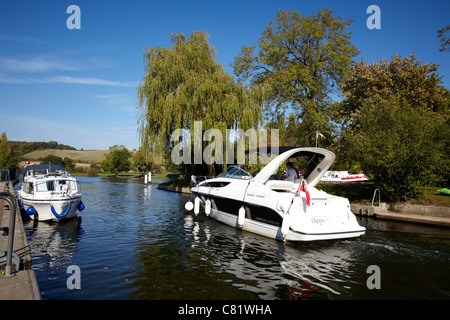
x,y
312,226
274,232
52,210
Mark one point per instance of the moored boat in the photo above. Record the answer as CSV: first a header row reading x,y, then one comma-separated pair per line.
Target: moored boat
x,y
276,208
49,192
343,176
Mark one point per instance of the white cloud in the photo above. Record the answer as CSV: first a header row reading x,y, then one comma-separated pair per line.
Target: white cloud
x,y
50,63
18,38
89,81
4,78
119,102
13,68
42,129
36,64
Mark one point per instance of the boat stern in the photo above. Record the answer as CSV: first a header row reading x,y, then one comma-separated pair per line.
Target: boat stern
x,y
325,219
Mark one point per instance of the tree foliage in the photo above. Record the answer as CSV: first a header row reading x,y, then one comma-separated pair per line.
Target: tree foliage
x,y
8,158
23,147
300,61
444,39
67,163
396,114
141,162
117,160
186,83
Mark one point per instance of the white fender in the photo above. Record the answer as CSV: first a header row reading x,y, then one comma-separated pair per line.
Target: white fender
x,y
189,205
208,207
241,217
286,224
196,205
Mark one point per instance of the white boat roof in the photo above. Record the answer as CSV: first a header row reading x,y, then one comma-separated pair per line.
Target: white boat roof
x,y
50,169
313,178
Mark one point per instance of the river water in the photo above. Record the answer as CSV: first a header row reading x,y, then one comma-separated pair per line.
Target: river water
x,y
137,242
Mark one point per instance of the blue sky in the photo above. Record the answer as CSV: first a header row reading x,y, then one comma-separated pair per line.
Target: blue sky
x,y
78,87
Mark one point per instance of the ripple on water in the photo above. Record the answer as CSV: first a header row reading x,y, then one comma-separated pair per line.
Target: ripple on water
x,y
136,242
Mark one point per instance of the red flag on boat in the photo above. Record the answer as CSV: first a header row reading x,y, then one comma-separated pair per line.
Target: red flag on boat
x,y
304,188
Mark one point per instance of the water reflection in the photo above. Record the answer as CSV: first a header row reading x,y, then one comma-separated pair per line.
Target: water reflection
x,y
53,243
137,242
271,269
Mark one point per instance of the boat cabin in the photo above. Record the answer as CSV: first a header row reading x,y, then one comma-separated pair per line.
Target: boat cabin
x,y
48,178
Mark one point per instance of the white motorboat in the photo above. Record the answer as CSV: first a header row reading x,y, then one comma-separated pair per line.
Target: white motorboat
x,y
343,176
275,208
49,192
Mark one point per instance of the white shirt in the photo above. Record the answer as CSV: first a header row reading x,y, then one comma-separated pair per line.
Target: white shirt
x,y
291,174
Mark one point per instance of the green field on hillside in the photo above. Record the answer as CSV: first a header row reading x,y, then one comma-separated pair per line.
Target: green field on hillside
x,y
83,156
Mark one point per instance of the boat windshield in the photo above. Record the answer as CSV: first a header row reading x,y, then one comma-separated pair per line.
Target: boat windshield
x,y
58,185
38,172
236,173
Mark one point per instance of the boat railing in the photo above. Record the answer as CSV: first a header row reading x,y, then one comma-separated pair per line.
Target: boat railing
x,y
195,180
379,197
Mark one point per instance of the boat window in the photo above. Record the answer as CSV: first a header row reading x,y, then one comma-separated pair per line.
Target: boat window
x,y
236,172
279,175
39,172
43,186
216,184
66,186
28,187
50,185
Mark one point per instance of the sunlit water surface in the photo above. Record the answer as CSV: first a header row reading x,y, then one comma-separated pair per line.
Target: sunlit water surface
x,y
137,242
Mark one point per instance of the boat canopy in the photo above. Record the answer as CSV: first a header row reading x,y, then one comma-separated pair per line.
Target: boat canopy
x,y
38,167
290,152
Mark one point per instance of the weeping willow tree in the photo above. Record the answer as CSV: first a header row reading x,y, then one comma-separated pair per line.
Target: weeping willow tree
x,y
185,84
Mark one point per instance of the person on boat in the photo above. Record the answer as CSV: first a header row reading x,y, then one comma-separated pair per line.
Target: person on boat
x,y
28,163
291,172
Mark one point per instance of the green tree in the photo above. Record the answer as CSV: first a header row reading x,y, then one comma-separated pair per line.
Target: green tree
x,y
106,166
119,159
300,62
396,115
67,163
8,158
52,159
186,83
141,162
444,39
